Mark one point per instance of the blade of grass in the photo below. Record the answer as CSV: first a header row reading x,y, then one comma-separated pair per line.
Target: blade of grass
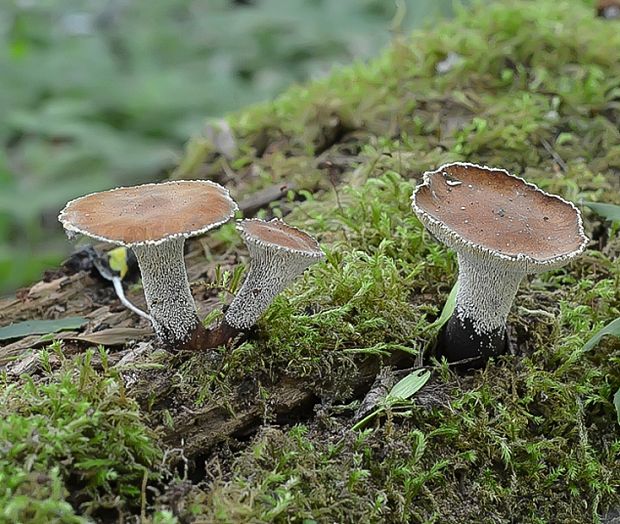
x,y
613,329
447,310
608,211
41,327
408,386
401,391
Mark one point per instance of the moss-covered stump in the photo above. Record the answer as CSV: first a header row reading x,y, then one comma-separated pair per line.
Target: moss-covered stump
x,y
263,432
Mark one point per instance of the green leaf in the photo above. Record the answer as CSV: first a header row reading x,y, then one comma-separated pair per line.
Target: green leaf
x,y
402,390
617,403
447,310
613,328
408,386
41,327
608,211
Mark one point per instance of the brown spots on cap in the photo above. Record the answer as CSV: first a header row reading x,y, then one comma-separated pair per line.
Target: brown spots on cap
x,y
150,212
279,234
498,211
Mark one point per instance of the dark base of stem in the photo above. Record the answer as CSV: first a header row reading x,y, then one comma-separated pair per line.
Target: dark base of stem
x,y
221,335
196,341
199,339
459,342
202,339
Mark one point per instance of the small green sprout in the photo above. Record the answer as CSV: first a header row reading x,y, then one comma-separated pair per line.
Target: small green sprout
x,y
399,396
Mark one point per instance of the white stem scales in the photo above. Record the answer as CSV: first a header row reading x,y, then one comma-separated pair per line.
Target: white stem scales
x,y
271,271
486,290
166,289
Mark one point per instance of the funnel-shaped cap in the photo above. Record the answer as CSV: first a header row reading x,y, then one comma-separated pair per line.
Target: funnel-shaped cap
x,y
480,210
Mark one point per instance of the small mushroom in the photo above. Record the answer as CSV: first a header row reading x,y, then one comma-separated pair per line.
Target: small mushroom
x,y
154,220
502,229
278,254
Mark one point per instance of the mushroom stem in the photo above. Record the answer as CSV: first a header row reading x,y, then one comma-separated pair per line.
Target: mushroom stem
x,y
278,254
270,273
166,289
477,328
259,288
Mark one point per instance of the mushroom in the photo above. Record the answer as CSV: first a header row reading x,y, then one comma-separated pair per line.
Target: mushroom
x,y
278,254
154,220
502,229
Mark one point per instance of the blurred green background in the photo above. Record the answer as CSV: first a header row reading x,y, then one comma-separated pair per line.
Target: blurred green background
x,y
101,93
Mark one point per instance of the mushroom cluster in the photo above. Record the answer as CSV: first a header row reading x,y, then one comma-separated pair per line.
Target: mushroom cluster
x,y
502,228
155,219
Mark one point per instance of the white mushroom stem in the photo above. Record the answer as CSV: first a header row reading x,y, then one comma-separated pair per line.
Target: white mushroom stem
x,y
271,271
486,290
166,289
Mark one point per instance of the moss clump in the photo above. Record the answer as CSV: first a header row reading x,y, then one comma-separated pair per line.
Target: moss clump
x,y
534,84
71,440
533,437
530,439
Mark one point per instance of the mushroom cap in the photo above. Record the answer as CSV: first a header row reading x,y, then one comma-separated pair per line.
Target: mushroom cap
x,y
150,213
488,211
278,235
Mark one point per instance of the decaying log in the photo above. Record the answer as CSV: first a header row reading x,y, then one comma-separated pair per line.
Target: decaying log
x,y
197,430
251,205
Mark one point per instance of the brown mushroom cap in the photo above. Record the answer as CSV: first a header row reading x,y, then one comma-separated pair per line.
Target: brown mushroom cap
x,y
150,213
492,211
279,235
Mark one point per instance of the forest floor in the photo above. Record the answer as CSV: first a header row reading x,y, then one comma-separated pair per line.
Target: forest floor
x,y
99,424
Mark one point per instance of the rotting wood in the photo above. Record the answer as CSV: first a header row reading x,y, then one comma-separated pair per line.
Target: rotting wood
x,y
251,205
380,388
198,429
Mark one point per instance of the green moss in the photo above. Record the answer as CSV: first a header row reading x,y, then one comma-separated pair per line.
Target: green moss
x,y
71,437
530,439
511,90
